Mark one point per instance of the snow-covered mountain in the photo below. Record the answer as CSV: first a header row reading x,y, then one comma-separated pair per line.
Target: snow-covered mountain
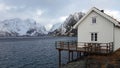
x,y
18,27
68,24
55,26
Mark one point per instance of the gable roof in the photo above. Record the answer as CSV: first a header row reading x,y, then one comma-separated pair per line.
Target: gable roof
x,y
114,21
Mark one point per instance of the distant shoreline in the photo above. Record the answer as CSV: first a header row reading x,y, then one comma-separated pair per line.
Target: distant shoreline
x,y
30,37
33,36
24,37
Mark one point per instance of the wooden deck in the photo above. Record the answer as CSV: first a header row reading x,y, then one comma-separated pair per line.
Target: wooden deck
x,y
103,48
83,47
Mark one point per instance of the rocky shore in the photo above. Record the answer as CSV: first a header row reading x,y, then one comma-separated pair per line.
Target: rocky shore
x,y
97,61
76,64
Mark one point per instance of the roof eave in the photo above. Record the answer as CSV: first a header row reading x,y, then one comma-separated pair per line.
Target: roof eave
x,y
99,12
76,25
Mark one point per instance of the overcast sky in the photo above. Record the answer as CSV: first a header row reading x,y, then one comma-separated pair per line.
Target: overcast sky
x,y
49,12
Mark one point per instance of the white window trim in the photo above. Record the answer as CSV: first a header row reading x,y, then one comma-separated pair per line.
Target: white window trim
x,y
93,37
92,19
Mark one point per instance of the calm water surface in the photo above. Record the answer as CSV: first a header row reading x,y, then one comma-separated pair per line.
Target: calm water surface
x,y
30,52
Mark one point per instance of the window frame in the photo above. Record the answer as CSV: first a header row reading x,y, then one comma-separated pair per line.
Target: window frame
x,y
94,36
94,20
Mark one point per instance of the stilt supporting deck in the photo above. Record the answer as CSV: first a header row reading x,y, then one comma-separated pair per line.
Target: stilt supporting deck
x,y
59,58
68,56
72,56
78,55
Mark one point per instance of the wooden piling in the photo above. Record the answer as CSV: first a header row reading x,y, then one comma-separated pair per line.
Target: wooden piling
x,y
72,56
68,56
59,58
77,55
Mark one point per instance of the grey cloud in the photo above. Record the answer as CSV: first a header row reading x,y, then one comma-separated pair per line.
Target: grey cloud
x,y
53,9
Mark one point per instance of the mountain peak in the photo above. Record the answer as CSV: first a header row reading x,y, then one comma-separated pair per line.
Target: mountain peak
x,y
64,28
21,27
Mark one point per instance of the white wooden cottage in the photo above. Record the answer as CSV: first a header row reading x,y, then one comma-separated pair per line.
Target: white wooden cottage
x,y
98,27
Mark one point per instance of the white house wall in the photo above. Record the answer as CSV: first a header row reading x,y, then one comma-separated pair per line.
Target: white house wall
x,y
117,38
103,27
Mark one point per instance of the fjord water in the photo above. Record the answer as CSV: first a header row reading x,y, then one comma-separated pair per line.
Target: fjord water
x,y
30,52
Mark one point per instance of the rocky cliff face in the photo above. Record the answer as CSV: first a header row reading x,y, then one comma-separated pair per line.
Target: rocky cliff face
x,y
65,28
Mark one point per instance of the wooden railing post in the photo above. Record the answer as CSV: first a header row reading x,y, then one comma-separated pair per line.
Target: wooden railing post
x,y
86,47
76,45
55,44
99,48
68,46
107,48
112,46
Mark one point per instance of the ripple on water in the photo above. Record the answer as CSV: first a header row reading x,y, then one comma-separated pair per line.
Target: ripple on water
x,y
30,53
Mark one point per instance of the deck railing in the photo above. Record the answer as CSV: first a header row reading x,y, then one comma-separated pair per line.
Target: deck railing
x,y
85,46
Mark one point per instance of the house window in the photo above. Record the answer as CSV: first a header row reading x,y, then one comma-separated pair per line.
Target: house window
x,y
94,36
93,19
